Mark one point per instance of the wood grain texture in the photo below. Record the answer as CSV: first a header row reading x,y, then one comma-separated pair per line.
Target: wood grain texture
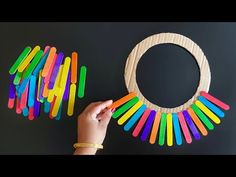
x,y
165,38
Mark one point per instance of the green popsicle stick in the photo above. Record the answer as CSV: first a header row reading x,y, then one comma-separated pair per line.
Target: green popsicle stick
x,y
19,60
202,116
33,64
125,107
17,78
162,129
82,79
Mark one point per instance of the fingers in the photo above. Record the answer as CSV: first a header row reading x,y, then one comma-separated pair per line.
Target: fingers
x,y
105,118
100,107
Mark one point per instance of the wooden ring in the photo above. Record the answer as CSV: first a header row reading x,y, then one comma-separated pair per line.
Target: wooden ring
x,y
164,38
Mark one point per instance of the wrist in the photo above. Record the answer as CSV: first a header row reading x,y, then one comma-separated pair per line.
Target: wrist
x,y
85,151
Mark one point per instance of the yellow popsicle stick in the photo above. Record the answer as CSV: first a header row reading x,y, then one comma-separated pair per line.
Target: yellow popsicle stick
x,y
130,112
210,114
65,72
27,60
39,85
169,130
57,105
56,84
71,102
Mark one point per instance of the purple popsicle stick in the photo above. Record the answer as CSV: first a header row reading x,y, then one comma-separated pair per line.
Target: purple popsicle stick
x,y
148,125
53,77
191,125
36,103
12,90
41,90
66,93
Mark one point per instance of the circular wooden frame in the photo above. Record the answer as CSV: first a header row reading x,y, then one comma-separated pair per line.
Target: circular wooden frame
x,y
164,38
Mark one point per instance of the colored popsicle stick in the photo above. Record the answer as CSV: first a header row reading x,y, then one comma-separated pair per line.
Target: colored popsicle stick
x,y
197,122
58,117
215,100
33,64
65,71
40,65
32,85
125,107
17,78
202,116
74,63
39,92
46,49
169,129
155,128
71,102
11,102
67,88
24,98
148,125
122,100
28,59
141,122
31,113
210,114
25,112
134,118
49,61
191,125
19,60
47,78
55,71
162,130
22,86
12,90
57,105
45,90
82,81
177,130
184,127
46,107
51,107
130,112
211,106
36,107
18,109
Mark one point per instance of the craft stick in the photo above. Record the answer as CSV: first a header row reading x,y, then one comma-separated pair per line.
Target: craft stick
x,y
36,107
82,81
49,61
70,110
33,64
129,113
74,63
17,78
46,107
12,90
215,100
58,117
121,101
27,60
125,107
32,85
46,49
134,118
18,109
19,60
191,125
25,112
169,129
155,128
197,122
40,65
202,116
177,130
211,106
162,130
141,122
57,105
55,71
210,114
184,127
45,90
67,88
31,113
47,78
24,98
51,107
23,86
65,71
11,102
39,92
148,125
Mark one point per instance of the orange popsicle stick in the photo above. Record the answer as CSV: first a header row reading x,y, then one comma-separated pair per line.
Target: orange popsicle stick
x,y
45,90
155,128
74,63
49,61
122,100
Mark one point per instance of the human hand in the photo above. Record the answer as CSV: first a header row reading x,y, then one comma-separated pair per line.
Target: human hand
x,y
92,125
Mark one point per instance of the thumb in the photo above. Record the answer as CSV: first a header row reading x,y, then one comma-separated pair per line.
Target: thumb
x,y
105,118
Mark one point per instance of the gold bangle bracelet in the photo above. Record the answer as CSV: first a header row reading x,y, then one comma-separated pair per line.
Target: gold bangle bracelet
x,y
90,145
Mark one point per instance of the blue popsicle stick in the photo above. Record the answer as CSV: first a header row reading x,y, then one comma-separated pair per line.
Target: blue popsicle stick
x,y
58,117
46,107
211,106
134,118
31,91
25,112
177,131
22,86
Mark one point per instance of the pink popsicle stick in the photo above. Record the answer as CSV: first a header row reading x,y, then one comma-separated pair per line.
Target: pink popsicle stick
x,y
11,103
184,128
31,113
